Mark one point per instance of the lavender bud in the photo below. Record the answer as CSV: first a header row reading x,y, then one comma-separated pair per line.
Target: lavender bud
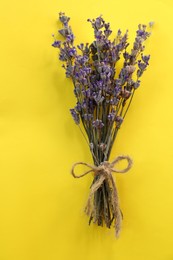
x,y
136,46
151,24
126,55
99,22
98,124
107,32
88,117
130,69
139,73
136,84
75,116
63,55
78,107
98,97
111,116
63,32
141,33
119,32
91,146
80,46
118,121
72,52
56,44
87,93
102,147
69,71
77,90
70,38
63,18
125,93
146,58
113,101
81,59
142,65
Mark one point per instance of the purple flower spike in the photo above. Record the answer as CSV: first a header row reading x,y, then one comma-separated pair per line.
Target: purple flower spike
x,y
75,116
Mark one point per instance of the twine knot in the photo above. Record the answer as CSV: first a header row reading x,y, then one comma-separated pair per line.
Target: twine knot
x,y
104,172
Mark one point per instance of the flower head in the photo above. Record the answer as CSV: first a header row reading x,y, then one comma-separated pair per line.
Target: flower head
x,y
103,92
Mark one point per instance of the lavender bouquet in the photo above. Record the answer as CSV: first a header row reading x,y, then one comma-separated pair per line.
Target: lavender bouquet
x,y
103,98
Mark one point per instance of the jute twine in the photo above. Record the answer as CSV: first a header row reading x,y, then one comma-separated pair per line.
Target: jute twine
x,y
104,172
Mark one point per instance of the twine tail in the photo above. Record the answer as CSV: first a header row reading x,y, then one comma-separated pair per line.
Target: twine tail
x,y
116,209
89,208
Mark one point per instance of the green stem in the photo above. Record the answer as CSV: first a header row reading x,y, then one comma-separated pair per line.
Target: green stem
x,y
113,139
129,103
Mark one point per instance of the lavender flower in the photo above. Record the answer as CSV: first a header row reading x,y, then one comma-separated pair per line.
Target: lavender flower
x,y
103,96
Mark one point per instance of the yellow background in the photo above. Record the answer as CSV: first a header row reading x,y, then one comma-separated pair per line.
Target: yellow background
x,y
41,205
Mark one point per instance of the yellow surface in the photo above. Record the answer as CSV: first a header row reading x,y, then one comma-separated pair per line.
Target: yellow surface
x,y
41,205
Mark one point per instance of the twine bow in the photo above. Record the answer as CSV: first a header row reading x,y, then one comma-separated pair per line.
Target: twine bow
x,y
104,172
